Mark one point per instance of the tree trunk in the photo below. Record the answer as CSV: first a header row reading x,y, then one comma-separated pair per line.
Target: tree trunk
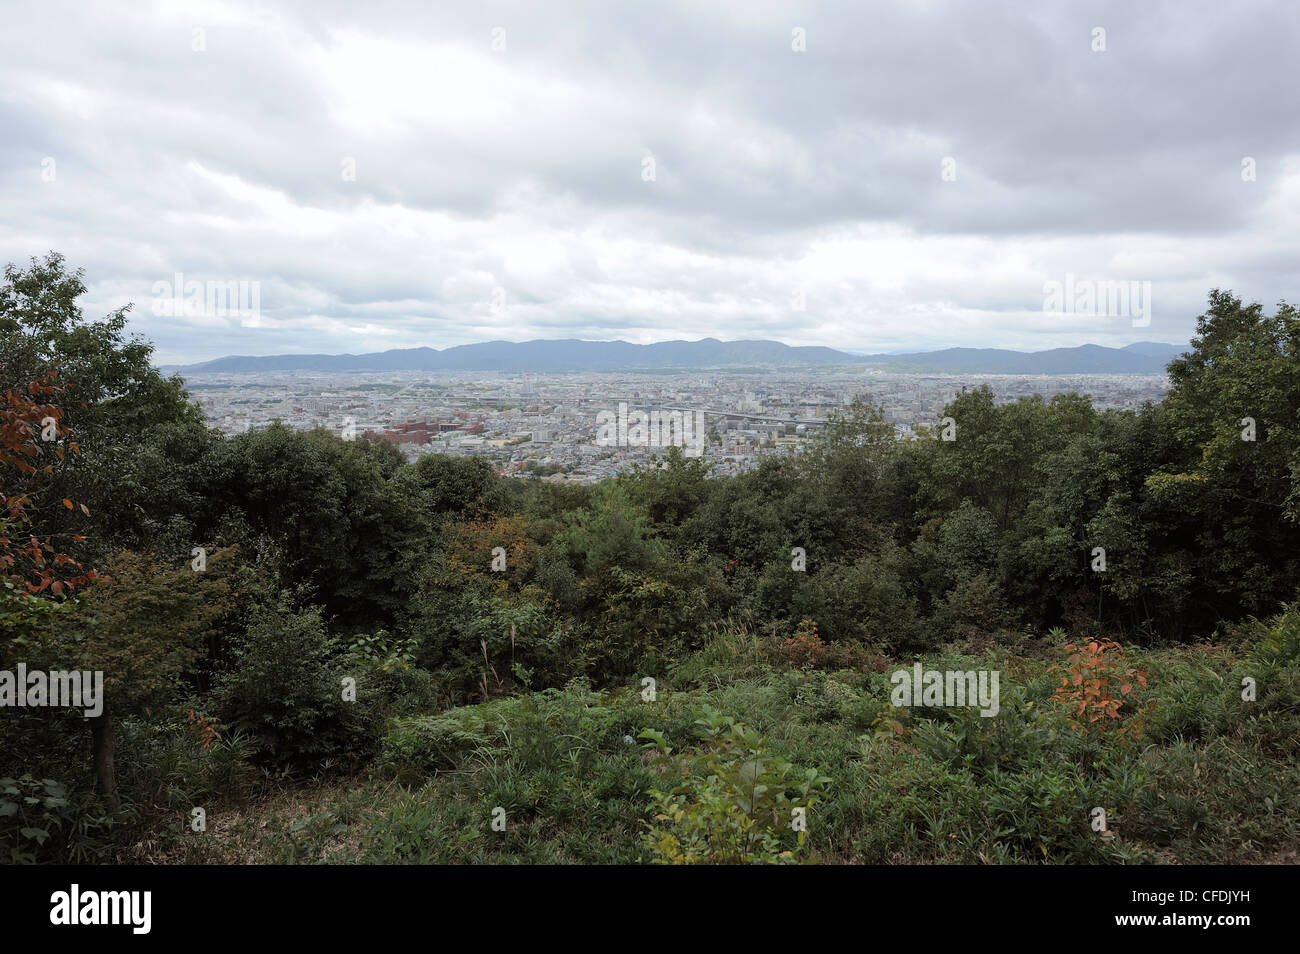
x,y
101,733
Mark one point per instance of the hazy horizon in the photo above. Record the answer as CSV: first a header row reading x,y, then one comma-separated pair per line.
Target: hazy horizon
x,y
854,352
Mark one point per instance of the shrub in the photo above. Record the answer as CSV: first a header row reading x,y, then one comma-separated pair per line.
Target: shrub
x,y
1042,813
180,759
1281,642
1093,676
383,652
421,745
285,689
826,698
42,824
805,647
736,803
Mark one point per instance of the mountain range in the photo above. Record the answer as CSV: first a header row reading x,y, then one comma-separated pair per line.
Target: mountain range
x,y
548,356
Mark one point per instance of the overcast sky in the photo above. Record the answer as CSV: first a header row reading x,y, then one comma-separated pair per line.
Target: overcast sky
x,y
502,187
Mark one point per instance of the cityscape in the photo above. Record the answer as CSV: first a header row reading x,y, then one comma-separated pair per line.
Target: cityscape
x,y
547,426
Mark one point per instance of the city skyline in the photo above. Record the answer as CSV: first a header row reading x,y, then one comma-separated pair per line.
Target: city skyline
x,y
553,427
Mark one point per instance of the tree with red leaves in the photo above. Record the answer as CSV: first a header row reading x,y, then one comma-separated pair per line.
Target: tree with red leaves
x,y
34,444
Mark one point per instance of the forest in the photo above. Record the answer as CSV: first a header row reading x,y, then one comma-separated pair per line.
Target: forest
x,y
313,651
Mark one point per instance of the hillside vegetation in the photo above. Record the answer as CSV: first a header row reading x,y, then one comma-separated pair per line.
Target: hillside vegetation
x,y
315,651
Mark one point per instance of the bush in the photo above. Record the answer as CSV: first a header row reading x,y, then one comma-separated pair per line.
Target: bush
x,y
42,824
1096,684
421,745
285,688
1280,645
181,759
736,803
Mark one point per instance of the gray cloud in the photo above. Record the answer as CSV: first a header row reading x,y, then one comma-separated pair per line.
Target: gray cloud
x,y
500,193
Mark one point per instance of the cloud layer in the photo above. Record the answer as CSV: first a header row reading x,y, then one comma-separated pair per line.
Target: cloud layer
x,y
403,174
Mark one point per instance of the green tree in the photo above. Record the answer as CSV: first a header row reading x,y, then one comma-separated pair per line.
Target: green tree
x,y
345,516
141,439
466,487
145,626
1232,406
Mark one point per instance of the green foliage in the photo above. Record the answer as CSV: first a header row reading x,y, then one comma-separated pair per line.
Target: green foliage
x,y
144,624
345,516
914,547
465,488
383,652
167,764
142,441
44,821
421,745
1281,643
1241,495
669,489
285,688
736,803
31,811
946,786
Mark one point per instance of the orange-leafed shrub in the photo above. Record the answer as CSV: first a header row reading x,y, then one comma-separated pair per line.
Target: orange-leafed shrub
x,y
805,647
1096,689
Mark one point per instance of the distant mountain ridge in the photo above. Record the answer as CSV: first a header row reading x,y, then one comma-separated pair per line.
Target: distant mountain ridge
x,y
546,355
1142,357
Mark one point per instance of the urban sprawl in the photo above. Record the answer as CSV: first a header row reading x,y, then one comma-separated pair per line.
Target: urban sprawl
x,y
549,426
